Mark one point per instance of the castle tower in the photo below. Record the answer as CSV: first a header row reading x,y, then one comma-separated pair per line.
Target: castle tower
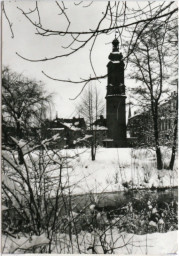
x,y
115,99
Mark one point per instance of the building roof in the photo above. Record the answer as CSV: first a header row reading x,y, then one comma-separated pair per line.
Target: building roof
x,y
71,126
99,128
74,124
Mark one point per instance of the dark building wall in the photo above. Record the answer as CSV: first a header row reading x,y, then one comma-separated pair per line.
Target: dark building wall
x,y
100,135
140,127
116,117
115,73
101,121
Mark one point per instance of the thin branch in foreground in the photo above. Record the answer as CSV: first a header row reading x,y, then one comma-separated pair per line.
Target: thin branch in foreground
x,y
9,23
86,81
75,82
91,33
88,4
104,30
78,3
64,13
80,91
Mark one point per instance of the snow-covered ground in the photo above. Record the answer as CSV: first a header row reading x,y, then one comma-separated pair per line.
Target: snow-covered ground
x,y
113,170
130,244
115,167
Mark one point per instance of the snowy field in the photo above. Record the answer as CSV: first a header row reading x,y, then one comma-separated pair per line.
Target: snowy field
x,y
115,169
118,169
128,244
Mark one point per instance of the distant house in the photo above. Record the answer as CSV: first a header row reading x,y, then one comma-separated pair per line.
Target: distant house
x,y
69,131
140,126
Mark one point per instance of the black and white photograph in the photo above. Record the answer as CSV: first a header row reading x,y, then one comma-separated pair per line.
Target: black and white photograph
x,y
89,127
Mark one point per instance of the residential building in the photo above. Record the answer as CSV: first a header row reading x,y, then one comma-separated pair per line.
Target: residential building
x,y
140,126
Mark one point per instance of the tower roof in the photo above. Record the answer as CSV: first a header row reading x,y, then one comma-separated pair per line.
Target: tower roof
x,y
115,44
115,55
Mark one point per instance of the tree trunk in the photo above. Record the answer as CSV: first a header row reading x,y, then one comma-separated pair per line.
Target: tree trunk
x,y
93,155
172,160
20,156
93,146
156,136
19,135
159,159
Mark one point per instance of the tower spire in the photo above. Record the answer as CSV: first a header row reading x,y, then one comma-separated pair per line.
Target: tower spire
x,y
115,33
115,44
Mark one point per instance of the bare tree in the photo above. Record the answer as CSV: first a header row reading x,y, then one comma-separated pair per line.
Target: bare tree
x,y
173,41
23,102
153,63
91,107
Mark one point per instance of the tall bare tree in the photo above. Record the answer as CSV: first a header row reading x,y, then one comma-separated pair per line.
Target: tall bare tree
x,y
173,41
152,61
91,107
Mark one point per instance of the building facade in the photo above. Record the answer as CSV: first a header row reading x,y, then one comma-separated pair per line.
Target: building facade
x,y
69,131
140,126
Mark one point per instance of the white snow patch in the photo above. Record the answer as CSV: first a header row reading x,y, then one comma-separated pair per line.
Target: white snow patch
x,y
99,175
72,127
14,245
99,128
56,129
124,243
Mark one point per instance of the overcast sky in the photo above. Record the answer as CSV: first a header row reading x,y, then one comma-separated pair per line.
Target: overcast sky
x,y
32,46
